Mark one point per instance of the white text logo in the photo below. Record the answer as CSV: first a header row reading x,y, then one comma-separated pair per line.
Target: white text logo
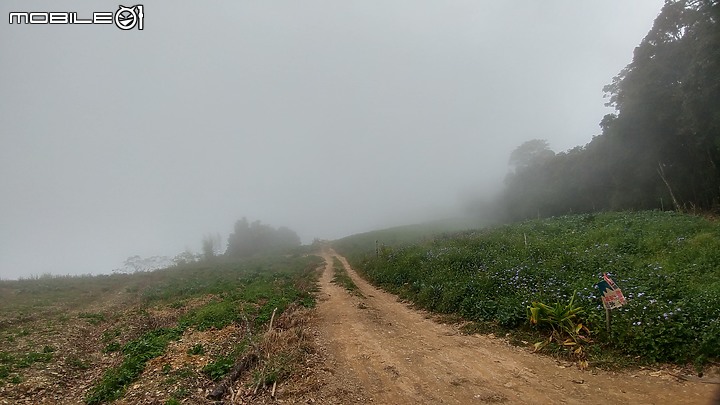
x,y
125,18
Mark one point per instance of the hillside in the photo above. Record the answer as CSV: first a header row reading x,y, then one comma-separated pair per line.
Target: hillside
x,y
249,331
168,336
667,265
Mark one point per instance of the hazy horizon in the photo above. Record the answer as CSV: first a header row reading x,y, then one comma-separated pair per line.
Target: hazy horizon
x,y
330,118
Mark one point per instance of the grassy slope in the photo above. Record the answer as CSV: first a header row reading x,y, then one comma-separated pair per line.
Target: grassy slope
x,y
667,264
227,293
362,243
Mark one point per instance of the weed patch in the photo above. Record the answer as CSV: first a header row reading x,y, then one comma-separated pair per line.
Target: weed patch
x,y
10,363
219,367
197,349
92,318
137,353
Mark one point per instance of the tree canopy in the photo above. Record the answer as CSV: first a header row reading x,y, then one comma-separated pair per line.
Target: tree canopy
x,y
661,146
531,153
252,238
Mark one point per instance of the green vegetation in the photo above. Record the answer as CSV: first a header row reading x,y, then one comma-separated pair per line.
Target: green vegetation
x,y
245,292
667,264
136,317
377,241
109,335
10,363
136,354
660,149
219,367
342,278
112,347
564,320
53,296
92,318
197,349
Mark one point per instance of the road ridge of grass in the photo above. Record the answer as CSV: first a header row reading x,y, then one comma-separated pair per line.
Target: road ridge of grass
x,y
343,279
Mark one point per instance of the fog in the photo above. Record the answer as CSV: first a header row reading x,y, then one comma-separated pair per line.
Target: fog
x,y
328,117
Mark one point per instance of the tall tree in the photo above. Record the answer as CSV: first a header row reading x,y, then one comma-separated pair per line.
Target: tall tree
x,y
667,103
530,153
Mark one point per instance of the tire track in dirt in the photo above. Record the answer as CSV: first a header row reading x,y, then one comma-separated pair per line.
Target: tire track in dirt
x,y
400,357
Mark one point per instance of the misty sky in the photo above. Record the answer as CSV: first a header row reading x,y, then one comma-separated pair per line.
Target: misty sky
x,y
329,117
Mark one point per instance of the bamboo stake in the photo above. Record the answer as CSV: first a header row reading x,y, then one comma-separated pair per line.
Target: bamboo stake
x,y
272,318
607,320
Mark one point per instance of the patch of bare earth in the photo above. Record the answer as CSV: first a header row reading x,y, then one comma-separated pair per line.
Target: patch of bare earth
x,y
76,363
395,355
78,359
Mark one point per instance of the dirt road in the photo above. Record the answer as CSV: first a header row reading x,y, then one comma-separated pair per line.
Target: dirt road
x,y
395,355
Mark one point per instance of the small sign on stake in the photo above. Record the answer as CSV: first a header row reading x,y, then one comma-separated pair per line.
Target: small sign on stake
x,y
612,297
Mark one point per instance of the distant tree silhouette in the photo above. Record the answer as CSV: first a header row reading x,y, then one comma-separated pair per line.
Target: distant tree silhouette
x,y
248,239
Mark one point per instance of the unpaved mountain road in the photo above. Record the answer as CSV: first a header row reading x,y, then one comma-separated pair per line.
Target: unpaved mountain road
x,y
393,354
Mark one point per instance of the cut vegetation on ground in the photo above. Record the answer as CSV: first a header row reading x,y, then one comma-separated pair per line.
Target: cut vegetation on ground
x,y
160,336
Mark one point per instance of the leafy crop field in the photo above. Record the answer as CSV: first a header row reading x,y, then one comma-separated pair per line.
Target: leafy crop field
x,y
90,339
667,264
